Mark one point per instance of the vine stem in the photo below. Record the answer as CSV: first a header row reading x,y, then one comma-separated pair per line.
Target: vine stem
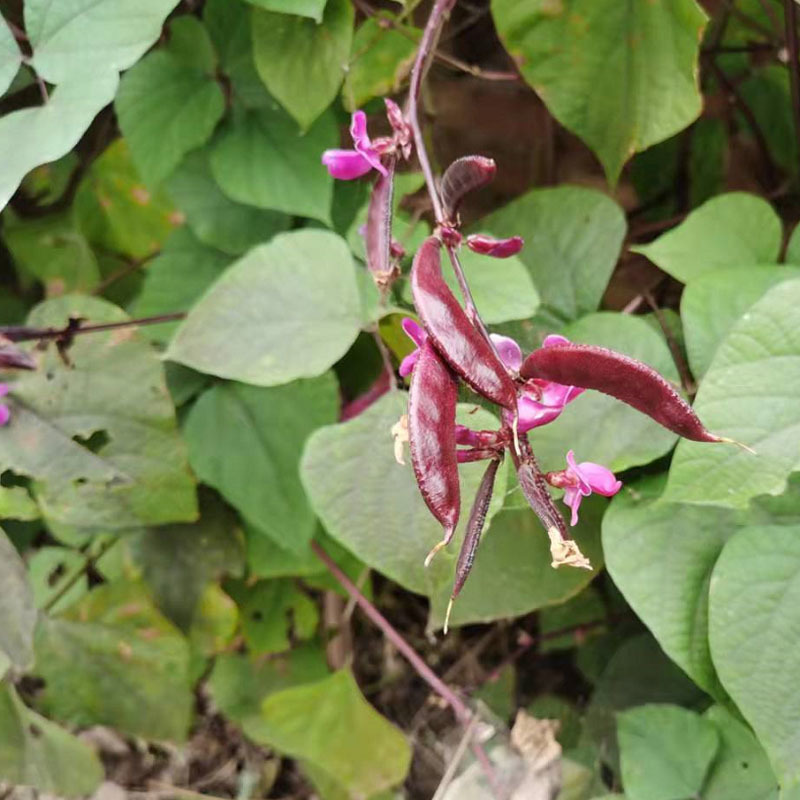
x,y
790,21
22,333
427,47
460,708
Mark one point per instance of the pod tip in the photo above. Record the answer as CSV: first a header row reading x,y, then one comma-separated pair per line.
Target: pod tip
x,y
437,547
726,440
446,625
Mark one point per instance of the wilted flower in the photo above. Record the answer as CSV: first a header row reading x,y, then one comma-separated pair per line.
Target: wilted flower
x,y
497,248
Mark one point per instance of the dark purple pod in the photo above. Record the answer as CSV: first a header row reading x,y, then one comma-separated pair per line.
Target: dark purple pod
x,y
463,176
464,348
618,375
496,248
432,402
534,488
378,234
477,519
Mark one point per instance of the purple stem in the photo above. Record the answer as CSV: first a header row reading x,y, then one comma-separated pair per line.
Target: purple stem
x,y
426,47
22,333
460,708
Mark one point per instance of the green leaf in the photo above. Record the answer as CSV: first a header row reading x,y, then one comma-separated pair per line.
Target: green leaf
x,y
165,109
330,725
179,561
304,8
512,574
16,503
622,76
190,42
637,672
246,442
49,568
661,557
261,159
750,394
114,660
598,427
501,288
175,279
239,683
381,57
302,63
88,37
117,213
36,752
730,230
755,603
10,57
17,607
371,504
572,241
274,614
665,752
45,133
288,309
229,25
99,436
55,252
741,768
711,306
215,219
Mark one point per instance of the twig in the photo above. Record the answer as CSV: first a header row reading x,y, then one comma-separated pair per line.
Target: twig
x,y
460,708
76,576
752,122
22,333
123,272
790,19
455,760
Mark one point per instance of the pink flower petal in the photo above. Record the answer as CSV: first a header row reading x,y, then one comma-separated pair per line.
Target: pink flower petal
x,y
497,248
573,498
408,363
414,331
4,389
554,338
5,414
601,479
345,165
363,144
533,414
509,351
573,471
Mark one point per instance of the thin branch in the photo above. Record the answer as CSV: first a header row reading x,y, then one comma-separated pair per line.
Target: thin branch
x,y
790,20
79,573
460,708
750,117
22,333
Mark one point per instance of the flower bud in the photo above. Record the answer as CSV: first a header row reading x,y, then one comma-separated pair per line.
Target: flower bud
x,y
497,248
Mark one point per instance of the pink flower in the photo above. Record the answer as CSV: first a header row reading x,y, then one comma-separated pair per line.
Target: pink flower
x,y
345,165
580,480
5,411
414,332
540,401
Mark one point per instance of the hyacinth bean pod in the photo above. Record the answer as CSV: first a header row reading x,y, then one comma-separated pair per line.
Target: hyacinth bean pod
x,y
618,375
378,234
432,439
464,348
472,536
534,488
463,176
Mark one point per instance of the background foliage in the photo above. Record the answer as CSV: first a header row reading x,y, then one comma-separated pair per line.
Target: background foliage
x,y
161,485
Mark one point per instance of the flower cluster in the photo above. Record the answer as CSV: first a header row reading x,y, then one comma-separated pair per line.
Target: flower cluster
x,y
539,402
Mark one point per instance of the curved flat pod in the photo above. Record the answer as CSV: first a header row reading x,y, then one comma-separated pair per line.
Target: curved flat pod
x,y
620,376
432,437
464,348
